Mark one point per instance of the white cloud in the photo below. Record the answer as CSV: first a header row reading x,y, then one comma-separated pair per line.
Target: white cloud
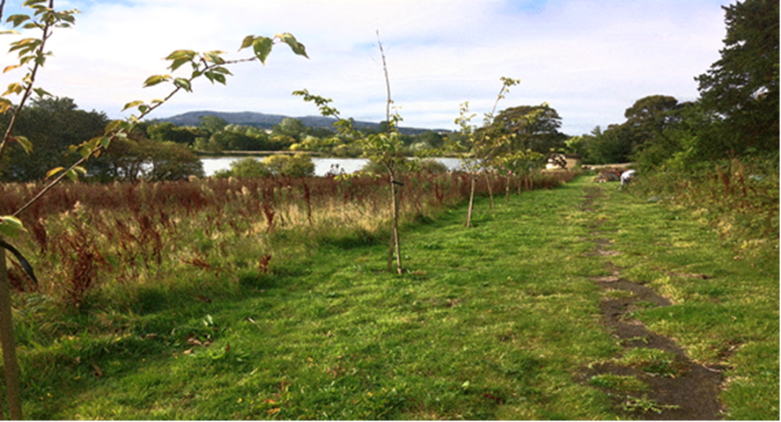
x,y
589,59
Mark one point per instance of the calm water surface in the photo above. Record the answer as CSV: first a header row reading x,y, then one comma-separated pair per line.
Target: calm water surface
x,y
323,166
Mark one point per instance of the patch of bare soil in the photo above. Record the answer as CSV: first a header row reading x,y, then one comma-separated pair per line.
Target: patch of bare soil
x,y
691,393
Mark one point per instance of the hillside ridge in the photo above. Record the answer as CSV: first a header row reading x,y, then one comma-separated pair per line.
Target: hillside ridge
x,y
267,121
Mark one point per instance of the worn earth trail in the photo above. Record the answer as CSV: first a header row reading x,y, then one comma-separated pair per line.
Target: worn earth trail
x,y
687,390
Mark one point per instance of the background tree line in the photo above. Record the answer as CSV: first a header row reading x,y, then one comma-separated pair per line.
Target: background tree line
x,y
736,114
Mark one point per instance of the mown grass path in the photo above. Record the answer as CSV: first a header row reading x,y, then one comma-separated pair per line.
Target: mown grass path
x,y
500,321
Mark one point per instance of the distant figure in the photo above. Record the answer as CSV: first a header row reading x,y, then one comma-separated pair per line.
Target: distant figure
x,y
626,177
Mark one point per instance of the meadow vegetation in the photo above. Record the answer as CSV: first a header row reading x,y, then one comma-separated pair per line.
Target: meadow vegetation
x,y
233,298
263,293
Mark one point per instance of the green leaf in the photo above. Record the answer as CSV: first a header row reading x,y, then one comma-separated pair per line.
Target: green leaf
x,y
9,32
156,79
14,88
181,54
132,104
212,76
214,57
106,141
10,226
183,83
42,92
296,46
17,19
11,67
176,64
54,171
262,47
249,40
5,105
180,57
222,70
24,143
73,173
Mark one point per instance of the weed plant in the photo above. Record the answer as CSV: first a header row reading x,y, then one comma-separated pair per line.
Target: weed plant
x,y
117,237
739,198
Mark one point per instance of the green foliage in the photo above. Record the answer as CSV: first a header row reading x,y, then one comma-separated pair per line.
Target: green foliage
x,y
248,167
742,86
528,128
654,361
171,161
212,124
51,125
166,131
291,128
624,383
298,165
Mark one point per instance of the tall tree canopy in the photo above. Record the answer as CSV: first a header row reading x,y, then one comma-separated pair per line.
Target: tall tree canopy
x,y
533,128
742,87
52,124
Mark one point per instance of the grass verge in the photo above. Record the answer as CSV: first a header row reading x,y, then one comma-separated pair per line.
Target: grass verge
x,y
492,322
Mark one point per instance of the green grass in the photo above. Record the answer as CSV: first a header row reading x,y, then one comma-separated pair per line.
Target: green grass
x,y
493,322
623,383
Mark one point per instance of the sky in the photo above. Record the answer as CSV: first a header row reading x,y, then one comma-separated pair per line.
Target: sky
x,y
588,59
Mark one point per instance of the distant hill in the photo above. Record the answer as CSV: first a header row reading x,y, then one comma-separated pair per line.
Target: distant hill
x,y
267,121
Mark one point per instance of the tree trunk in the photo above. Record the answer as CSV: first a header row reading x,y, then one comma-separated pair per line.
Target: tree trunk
x,y
11,366
490,190
395,243
471,202
507,189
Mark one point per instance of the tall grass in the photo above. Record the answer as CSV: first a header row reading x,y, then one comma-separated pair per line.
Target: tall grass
x,y
739,198
88,237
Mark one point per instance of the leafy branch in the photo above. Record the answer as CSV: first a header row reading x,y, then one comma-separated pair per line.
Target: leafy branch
x,y
210,64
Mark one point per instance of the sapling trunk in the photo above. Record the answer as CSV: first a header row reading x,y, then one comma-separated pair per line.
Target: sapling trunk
x,y
395,236
507,189
490,190
471,202
10,365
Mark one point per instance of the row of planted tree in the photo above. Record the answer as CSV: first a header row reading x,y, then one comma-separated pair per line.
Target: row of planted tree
x,y
86,236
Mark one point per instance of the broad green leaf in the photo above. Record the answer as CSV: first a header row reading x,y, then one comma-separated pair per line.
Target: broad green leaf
x,y
25,45
54,171
10,226
176,64
156,79
29,3
132,104
262,47
248,41
73,173
42,92
296,46
113,125
14,88
222,70
183,83
182,54
9,31
5,105
24,143
212,76
17,19
11,67
214,57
